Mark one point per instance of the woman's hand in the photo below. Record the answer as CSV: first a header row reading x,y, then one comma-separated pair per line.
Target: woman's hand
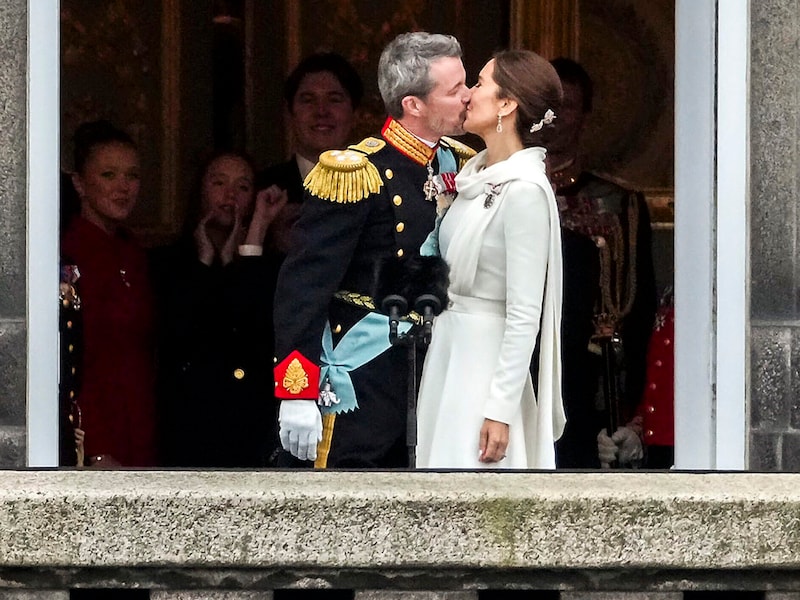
x,y
269,203
493,441
228,250
205,248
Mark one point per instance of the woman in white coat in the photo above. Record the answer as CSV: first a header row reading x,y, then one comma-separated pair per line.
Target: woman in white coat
x,y
501,238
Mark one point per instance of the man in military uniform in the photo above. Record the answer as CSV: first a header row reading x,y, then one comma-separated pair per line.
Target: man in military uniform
x,y
616,219
364,206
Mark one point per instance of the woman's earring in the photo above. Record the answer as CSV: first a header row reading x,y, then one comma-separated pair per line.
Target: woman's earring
x,y
499,123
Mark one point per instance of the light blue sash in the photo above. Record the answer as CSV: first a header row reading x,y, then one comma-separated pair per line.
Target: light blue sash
x,y
364,341
447,164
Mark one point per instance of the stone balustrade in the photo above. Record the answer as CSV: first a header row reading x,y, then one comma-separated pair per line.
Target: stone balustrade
x,y
184,532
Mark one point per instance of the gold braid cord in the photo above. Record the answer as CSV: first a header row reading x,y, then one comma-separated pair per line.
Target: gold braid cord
x,y
364,301
343,176
618,297
462,151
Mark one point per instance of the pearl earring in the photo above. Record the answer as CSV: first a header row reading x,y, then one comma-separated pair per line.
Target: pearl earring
x,y
499,123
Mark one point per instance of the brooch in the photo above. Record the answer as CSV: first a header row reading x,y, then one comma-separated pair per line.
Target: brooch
x,y
492,189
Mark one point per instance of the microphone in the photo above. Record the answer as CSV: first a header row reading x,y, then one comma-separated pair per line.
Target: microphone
x,y
423,279
395,306
427,305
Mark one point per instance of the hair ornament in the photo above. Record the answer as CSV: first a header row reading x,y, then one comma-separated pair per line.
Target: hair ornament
x,y
548,118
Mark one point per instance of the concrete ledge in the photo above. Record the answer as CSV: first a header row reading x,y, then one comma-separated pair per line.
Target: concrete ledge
x,y
401,529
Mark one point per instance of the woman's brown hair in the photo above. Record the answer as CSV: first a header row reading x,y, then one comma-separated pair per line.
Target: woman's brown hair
x,y
532,81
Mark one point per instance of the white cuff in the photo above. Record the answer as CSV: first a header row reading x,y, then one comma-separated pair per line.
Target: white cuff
x,y
250,250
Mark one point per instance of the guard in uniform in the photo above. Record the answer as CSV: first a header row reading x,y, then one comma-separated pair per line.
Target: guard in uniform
x,y
649,438
364,205
70,326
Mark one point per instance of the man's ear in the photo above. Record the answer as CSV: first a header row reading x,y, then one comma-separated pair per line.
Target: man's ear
x,y
412,106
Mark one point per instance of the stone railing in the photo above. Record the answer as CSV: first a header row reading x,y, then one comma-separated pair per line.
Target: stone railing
x,y
242,534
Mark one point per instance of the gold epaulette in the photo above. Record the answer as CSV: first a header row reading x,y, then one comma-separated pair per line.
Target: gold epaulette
x,y
462,151
343,176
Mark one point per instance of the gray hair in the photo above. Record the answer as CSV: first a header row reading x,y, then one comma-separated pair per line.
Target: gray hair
x,y
404,67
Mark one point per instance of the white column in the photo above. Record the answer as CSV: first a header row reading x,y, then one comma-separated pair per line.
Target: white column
x,y
42,259
695,22
733,240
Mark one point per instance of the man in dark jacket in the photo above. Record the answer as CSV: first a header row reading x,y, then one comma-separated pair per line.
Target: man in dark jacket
x,y
366,205
617,220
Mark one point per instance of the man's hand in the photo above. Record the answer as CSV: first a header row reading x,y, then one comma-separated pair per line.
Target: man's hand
x,y
300,427
624,446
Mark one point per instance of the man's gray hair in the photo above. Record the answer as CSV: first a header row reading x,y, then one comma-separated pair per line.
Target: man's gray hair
x,y
404,67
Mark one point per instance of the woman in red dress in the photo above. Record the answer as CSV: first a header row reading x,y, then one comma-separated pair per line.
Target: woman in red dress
x,y
116,397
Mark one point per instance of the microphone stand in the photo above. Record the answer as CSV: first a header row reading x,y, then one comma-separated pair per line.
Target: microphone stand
x,y
427,305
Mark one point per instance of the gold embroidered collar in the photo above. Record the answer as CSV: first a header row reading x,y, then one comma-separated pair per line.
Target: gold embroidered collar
x,y
407,143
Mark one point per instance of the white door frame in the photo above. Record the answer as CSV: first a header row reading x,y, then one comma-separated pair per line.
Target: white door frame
x,y
711,232
42,231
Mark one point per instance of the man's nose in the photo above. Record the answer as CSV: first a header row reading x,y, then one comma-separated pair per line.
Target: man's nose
x,y
323,108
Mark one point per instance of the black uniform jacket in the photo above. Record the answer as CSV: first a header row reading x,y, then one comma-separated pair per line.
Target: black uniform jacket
x,y
341,239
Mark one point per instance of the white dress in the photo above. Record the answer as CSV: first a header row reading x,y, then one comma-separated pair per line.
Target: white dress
x,y
505,281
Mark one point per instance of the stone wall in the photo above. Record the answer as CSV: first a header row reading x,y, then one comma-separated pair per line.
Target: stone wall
x,y
13,159
775,276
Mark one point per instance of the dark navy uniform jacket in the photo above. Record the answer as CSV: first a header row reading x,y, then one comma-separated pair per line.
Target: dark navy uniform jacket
x,y
339,243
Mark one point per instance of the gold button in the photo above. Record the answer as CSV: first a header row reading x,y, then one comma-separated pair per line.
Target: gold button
x,y
651,409
238,373
73,370
648,433
667,342
400,226
69,324
652,386
397,200
389,174
400,252
71,348
275,359
658,363
338,328
71,394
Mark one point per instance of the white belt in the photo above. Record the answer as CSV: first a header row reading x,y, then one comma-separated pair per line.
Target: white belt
x,y
471,304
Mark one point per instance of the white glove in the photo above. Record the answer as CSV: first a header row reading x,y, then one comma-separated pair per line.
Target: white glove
x,y
606,449
300,427
630,445
624,446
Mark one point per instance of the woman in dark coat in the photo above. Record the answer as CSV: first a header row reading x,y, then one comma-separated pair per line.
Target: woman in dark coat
x,y
215,288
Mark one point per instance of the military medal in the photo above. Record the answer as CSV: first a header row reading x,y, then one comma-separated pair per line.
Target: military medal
x,y
326,396
430,188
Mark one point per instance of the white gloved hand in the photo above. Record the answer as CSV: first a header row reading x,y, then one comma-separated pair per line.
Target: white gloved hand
x,y
629,444
606,449
300,427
